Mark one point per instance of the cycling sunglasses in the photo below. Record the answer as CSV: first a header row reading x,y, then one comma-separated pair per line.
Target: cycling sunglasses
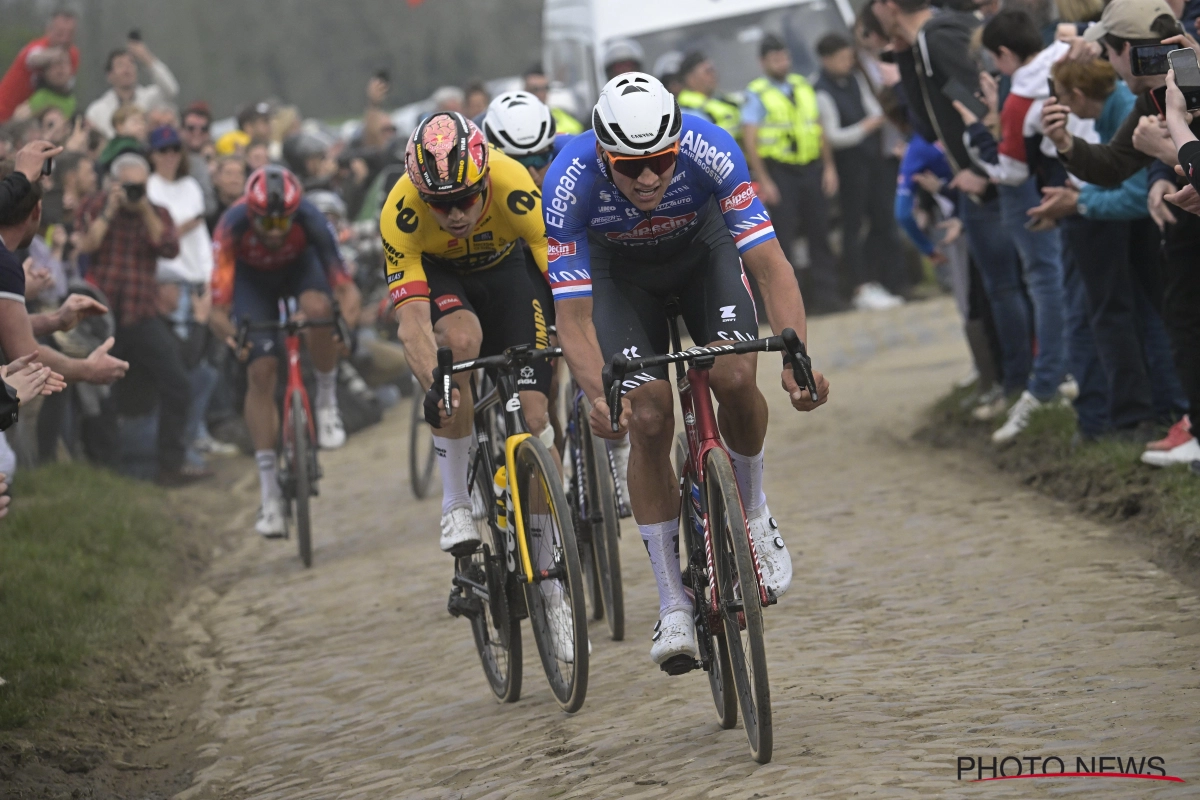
x,y
273,224
632,166
536,160
462,203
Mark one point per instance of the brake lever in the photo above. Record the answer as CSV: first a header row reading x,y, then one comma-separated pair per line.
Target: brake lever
x,y
797,356
613,376
445,357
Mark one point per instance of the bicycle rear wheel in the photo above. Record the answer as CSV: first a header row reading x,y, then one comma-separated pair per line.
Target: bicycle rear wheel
x,y
496,629
300,455
555,599
740,601
720,673
421,456
606,531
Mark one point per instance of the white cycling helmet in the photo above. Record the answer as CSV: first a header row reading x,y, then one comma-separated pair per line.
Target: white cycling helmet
x,y
519,124
636,115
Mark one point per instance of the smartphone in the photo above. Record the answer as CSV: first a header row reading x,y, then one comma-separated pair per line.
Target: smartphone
x,y
135,35
47,167
1187,75
1159,97
1051,87
955,90
1149,59
384,75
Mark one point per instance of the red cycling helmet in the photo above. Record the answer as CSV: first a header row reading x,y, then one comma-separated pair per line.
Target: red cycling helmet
x,y
447,157
273,191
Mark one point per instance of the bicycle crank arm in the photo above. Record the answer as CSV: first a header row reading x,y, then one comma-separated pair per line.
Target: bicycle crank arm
x,y
478,588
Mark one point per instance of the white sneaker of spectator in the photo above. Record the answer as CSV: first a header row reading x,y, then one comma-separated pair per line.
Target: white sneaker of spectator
x,y
1069,388
1185,453
1018,418
214,447
992,404
873,297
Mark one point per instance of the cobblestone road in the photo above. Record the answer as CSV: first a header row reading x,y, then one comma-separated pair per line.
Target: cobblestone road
x,y
937,612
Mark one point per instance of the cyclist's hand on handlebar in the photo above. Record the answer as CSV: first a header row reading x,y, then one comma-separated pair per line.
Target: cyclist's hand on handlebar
x,y
602,423
241,355
435,414
799,396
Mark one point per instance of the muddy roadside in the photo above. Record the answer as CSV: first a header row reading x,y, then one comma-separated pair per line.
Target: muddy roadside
x,y
126,728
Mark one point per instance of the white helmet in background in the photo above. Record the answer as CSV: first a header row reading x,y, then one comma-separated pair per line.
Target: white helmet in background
x,y
519,124
636,115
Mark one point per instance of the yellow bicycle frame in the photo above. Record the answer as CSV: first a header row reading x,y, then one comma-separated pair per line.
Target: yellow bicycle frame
x,y
510,449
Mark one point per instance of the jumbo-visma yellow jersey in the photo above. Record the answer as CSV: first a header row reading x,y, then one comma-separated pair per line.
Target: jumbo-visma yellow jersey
x,y
512,211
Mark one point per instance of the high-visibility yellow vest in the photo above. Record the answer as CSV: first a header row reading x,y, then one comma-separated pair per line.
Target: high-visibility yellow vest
x,y
722,112
791,131
565,123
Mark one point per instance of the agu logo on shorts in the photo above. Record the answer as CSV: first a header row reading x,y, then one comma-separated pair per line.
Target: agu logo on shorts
x,y
741,198
556,249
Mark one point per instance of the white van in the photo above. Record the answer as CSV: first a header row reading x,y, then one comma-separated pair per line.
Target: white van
x,y
577,32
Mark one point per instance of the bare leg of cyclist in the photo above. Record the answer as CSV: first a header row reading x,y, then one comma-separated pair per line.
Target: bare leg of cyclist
x,y
460,332
262,419
323,348
742,418
654,494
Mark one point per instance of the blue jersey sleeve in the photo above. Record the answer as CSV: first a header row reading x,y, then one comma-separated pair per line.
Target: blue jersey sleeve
x,y
714,158
322,239
566,199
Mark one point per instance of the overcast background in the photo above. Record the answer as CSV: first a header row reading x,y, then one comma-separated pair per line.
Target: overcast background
x,y
317,54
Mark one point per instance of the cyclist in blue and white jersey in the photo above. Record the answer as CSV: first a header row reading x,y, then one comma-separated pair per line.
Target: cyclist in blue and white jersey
x,y
649,206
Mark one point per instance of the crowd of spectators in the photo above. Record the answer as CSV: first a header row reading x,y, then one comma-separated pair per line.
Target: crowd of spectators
x,y
1008,147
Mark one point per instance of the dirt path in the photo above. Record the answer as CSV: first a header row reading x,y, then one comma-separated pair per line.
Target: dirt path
x,y
937,612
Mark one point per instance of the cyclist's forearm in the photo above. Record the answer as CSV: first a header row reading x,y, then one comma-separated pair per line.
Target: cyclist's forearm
x,y
777,282
581,348
416,334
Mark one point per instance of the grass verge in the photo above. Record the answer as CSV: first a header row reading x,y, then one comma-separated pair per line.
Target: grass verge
x,y
86,556
1104,480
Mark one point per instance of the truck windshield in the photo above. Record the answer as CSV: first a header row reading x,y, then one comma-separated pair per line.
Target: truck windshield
x,y
732,43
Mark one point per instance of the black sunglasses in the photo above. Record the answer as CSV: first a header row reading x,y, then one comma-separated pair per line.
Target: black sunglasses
x,y
461,203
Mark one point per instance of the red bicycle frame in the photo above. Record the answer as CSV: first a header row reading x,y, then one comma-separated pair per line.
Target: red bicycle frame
x,y
700,423
295,380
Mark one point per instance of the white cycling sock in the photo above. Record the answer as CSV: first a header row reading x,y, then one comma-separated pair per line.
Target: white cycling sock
x,y
749,473
662,543
452,463
327,388
268,477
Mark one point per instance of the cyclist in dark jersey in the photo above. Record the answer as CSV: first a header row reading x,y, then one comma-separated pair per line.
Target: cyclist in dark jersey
x,y
651,206
274,244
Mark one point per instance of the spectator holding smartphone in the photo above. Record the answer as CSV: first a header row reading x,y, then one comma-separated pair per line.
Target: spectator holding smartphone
x,y
121,69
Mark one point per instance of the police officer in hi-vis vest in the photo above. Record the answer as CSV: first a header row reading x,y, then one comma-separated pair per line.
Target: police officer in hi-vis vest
x,y
699,96
794,167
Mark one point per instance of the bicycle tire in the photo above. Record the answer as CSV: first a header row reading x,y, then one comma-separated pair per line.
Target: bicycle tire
x,y
541,494
496,630
301,452
720,673
606,535
574,463
420,470
738,579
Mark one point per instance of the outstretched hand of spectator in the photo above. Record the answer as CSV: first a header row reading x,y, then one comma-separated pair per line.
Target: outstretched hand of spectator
x,y
1152,138
970,182
968,116
103,368
78,307
1083,50
137,48
377,91
928,181
1186,198
37,279
1057,202
27,375
1156,202
30,158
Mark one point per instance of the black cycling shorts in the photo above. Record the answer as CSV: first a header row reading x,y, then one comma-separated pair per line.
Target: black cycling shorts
x,y
510,305
631,288
257,292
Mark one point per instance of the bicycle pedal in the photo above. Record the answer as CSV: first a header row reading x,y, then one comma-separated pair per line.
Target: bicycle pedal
x,y
678,665
464,549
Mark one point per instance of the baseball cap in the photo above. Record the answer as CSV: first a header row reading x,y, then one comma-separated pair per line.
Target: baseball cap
x,y
1128,19
623,50
164,136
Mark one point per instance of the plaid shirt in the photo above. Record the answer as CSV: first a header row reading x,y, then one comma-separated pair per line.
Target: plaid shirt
x,y
124,267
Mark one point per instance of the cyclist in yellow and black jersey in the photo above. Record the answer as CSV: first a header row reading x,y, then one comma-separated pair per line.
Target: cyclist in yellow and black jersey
x,y
458,278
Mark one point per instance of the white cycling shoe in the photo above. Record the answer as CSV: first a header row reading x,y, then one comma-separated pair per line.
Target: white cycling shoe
x,y
674,635
331,434
459,534
774,560
271,523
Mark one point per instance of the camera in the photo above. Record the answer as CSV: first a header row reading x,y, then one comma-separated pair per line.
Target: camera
x,y
134,192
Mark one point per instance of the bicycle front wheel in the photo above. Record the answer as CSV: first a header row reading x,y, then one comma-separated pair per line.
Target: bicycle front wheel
x,y
495,627
710,633
555,598
739,601
421,456
300,455
606,531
